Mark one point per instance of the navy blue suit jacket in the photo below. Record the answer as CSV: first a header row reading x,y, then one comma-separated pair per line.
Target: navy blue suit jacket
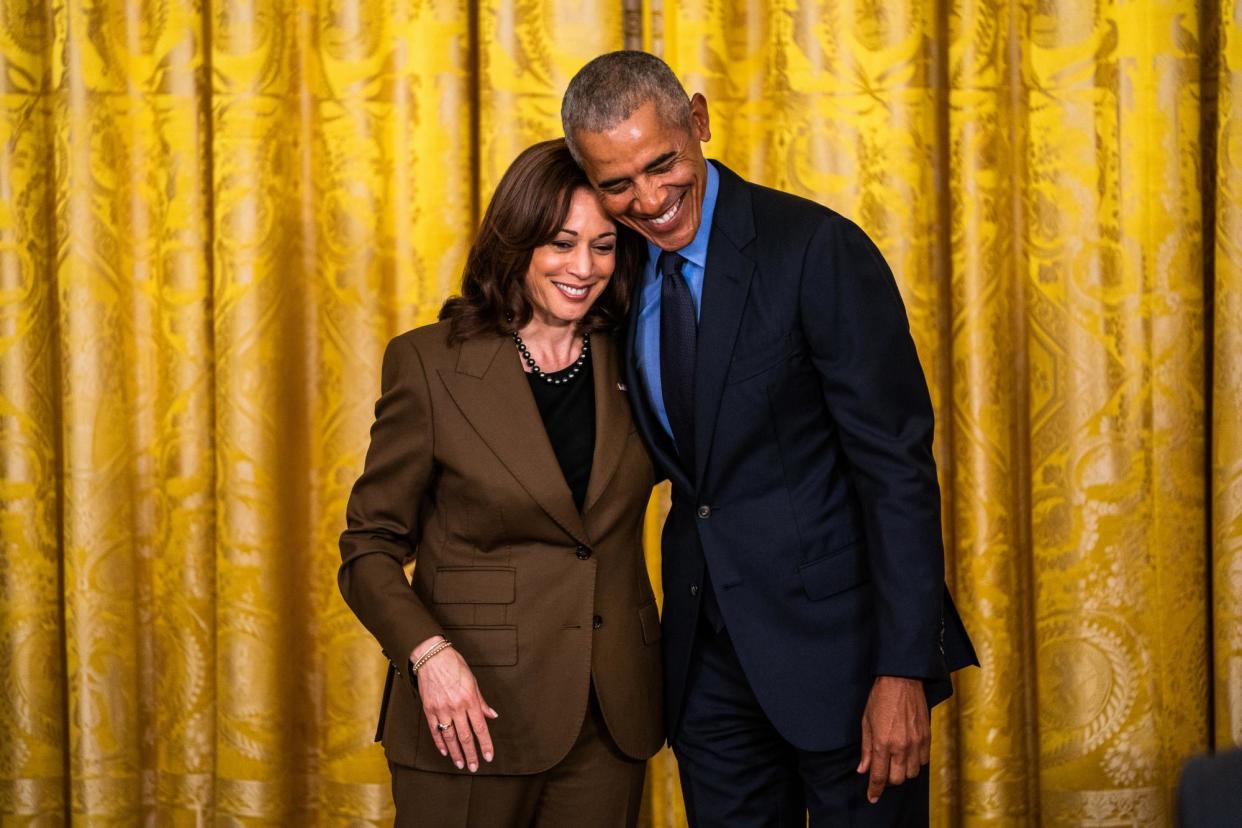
x,y
814,504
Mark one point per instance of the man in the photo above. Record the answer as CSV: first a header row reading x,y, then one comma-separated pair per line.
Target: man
x,y
807,627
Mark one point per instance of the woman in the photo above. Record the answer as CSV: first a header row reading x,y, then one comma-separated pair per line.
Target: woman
x,y
525,655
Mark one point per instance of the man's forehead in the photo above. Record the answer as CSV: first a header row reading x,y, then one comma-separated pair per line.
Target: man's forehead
x,y
618,155
634,142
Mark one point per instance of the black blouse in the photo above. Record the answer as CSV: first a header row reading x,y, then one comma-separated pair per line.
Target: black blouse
x,y
568,412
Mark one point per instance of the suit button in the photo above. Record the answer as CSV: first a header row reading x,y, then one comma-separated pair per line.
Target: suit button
x,y
582,552
597,622
705,511
694,590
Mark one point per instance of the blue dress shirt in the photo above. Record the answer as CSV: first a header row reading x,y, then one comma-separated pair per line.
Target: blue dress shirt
x,y
647,346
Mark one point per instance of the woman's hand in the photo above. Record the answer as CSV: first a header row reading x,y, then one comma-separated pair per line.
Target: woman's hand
x,y
451,696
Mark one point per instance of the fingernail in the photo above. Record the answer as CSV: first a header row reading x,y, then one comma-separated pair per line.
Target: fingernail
x,y
444,753
495,715
487,756
474,767
873,799
459,764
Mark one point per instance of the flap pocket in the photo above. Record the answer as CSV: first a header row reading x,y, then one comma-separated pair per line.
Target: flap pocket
x,y
835,572
485,646
649,618
474,585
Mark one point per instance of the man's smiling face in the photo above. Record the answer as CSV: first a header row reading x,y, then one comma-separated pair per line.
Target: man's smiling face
x,y
650,174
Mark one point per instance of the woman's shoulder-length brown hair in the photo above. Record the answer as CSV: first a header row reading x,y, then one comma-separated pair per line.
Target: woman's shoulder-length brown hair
x,y
527,211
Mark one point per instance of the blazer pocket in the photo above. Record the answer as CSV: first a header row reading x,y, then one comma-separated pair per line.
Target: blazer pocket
x,y
835,572
755,361
649,619
474,585
485,646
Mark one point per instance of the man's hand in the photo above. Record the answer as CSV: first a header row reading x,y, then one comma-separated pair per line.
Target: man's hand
x,y
896,733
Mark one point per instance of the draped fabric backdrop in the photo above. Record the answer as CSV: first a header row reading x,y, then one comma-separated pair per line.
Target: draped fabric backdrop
x,y
213,214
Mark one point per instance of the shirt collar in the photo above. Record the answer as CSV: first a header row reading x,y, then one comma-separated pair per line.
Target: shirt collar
x,y
696,251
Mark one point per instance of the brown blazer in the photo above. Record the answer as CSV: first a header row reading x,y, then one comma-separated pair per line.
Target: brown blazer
x,y
537,598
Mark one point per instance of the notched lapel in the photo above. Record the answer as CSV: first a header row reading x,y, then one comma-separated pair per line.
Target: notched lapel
x,y
657,441
494,397
612,418
726,286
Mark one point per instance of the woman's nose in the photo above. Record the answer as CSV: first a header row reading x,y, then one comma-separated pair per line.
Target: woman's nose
x,y
580,263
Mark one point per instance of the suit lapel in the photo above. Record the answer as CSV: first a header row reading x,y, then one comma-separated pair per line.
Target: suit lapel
x,y
494,396
612,425
657,440
726,284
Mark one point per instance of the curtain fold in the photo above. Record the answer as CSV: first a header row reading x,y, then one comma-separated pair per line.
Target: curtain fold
x,y
33,724
267,85
998,744
214,213
134,375
1226,395
1114,316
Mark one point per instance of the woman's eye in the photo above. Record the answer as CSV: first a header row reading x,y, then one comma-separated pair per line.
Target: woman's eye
x,y
563,245
604,249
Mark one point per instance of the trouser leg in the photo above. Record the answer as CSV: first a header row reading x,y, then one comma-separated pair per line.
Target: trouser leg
x,y
426,799
836,794
736,770
595,784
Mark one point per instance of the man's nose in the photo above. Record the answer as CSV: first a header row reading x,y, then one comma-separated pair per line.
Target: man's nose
x,y
648,197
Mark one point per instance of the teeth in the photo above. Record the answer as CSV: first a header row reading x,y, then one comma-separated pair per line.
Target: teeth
x,y
668,216
575,292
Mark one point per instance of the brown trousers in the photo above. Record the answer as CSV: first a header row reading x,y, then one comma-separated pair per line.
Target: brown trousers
x,y
595,784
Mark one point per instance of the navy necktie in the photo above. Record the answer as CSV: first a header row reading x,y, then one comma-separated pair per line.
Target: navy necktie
x,y
679,340
679,334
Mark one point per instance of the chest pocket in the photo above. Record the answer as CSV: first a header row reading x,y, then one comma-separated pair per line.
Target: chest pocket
x,y
750,361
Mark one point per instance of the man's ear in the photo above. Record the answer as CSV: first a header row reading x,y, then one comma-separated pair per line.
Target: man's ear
x,y
700,125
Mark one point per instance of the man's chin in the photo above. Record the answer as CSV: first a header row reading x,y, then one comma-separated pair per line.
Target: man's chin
x,y
670,241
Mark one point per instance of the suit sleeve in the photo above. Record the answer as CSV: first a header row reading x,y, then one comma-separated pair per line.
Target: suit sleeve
x,y
859,339
382,515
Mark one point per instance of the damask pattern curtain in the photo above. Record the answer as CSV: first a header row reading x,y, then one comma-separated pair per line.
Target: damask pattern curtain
x,y
214,213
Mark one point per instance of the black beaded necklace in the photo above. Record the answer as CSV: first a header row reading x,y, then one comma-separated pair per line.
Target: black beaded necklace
x,y
573,370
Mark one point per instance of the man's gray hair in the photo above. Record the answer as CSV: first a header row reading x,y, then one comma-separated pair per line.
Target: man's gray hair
x,y
608,89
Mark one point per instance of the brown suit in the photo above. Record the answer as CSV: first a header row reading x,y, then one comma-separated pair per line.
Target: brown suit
x,y
537,598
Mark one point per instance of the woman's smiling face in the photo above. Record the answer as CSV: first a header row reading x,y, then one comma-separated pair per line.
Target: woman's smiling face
x,y
569,273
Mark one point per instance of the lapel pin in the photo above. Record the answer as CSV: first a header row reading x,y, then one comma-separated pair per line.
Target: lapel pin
x,y
621,387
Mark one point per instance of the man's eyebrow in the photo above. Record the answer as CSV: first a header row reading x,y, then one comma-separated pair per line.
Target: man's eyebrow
x,y
659,161
653,164
610,183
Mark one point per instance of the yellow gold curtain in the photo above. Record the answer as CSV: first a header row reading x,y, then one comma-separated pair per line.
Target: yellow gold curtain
x,y
1226,347
213,213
